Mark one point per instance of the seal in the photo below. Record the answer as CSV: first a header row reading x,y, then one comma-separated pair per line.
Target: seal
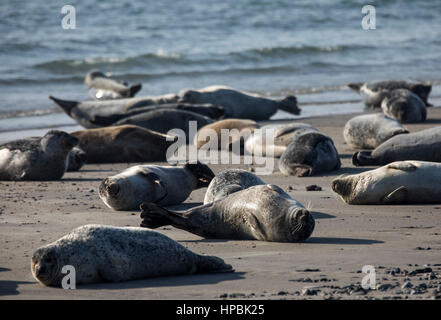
x,y
164,120
86,113
102,253
230,181
126,143
240,104
279,136
211,135
370,130
405,106
399,182
76,159
308,154
263,212
424,145
165,185
36,158
374,93
102,87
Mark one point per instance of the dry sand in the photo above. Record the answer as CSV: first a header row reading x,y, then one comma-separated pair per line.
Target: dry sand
x,y
345,239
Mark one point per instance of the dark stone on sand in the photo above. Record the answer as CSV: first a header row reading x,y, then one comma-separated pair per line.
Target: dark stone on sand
x,y
313,187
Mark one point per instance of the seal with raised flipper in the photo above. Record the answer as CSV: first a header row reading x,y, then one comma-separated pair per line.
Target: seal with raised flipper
x,y
399,182
262,212
165,185
102,253
103,87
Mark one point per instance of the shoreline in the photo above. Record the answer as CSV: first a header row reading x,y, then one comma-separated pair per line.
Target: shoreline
x,y
345,239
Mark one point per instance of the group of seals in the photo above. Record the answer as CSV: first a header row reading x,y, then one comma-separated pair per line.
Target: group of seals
x,y
165,185
111,254
36,158
103,87
396,183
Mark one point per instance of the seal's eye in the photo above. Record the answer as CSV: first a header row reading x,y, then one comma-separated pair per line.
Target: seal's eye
x,y
48,260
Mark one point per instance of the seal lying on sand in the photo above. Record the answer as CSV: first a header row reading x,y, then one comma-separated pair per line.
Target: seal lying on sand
x,y
103,87
423,145
123,144
370,130
258,143
211,134
405,106
228,182
112,254
308,154
240,104
36,158
164,120
399,182
89,113
263,212
77,158
374,93
165,185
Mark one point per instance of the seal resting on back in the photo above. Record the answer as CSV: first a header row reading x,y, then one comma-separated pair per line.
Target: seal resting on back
x,y
370,130
405,106
36,158
126,143
228,182
262,212
399,182
103,87
165,185
308,154
239,104
424,145
374,93
102,253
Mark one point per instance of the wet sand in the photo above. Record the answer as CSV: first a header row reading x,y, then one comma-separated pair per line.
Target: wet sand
x,y
326,266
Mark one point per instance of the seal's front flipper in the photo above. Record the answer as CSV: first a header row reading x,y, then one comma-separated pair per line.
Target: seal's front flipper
x,y
212,264
402,165
399,195
154,216
297,169
202,172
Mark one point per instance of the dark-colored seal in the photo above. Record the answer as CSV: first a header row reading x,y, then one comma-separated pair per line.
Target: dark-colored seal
x,y
77,158
423,145
263,212
165,185
308,154
126,143
405,106
36,158
230,181
102,87
112,254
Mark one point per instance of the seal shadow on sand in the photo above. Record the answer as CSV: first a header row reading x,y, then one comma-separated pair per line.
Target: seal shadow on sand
x,y
8,287
348,241
169,281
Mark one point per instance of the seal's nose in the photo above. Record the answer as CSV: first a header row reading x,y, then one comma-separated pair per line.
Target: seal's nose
x,y
302,215
112,189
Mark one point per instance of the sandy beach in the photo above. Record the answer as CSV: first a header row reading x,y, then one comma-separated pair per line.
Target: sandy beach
x,y
402,242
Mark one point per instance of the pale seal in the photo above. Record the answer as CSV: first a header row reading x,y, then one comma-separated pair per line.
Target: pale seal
x,y
77,158
263,212
370,130
165,185
126,143
102,253
36,158
399,182
211,134
405,106
102,87
263,143
374,93
230,181
90,113
310,153
424,145
239,104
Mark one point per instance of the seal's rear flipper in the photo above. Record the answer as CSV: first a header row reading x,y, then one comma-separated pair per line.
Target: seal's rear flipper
x,y
289,104
397,196
202,172
154,216
363,158
66,105
212,264
355,86
134,89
